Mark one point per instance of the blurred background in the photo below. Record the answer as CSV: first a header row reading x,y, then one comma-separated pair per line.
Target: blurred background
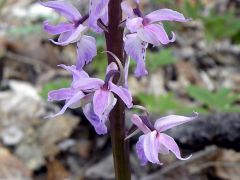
x,y
199,72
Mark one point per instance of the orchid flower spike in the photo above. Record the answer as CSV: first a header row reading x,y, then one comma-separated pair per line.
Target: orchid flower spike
x,y
154,141
98,10
146,29
71,31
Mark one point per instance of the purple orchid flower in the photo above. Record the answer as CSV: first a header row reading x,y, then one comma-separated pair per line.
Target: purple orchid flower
x,y
103,91
146,29
93,95
71,31
154,141
98,10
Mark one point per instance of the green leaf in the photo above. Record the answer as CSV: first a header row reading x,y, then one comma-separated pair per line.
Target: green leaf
x,y
157,60
54,85
222,100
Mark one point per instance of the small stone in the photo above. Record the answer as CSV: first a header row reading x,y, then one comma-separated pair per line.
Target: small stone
x,y
12,135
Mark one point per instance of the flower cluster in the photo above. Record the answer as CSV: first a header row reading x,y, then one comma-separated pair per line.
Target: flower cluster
x,y
98,97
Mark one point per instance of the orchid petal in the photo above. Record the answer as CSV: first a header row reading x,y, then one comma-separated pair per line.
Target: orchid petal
x,y
60,94
154,34
170,144
171,121
88,84
111,66
98,125
86,50
65,9
97,11
140,151
73,100
134,24
77,74
70,36
138,122
127,9
111,103
136,49
123,93
57,29
165,15
150,145
100,101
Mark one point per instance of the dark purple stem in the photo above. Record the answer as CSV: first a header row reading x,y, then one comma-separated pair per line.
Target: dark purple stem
x,y
114,41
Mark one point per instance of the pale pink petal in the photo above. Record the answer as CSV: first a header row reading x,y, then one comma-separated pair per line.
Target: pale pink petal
x,y
73,100
165,15
123,93
97,10
86,50
150,146
140,151
127,9
170,144
88,84
60,94
100,101
136,49
70,36
134,24
138,122
57,29
171,121
64,8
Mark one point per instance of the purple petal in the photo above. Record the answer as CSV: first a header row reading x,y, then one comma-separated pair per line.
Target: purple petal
x,y
137,1
154,34
171,121
88,84
101,99
150,145
140,151
98,125
77,74
97,11
138,122
73,100
111,103
134,24
86,50
136,49
170,144
127,9
165,15
65,9
57,29
126,68
123,93
60,94
111,66
70,36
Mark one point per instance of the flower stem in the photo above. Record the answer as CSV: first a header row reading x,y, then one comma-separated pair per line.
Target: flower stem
x,y
120,148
